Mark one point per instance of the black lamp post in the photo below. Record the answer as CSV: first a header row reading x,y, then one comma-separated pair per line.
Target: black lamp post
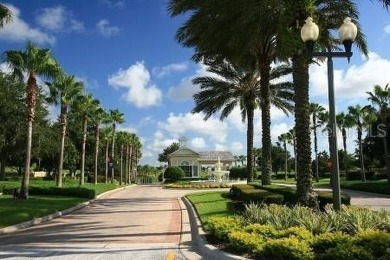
x,y
347,34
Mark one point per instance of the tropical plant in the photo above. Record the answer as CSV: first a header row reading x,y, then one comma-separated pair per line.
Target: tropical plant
x,y
343,123
362,117
163,157
97,116
283,138
64,91
380,97
106,135
5,15
32,63
116,117
315,110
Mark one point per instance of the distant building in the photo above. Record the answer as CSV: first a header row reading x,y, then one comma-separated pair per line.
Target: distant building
x,y
192,162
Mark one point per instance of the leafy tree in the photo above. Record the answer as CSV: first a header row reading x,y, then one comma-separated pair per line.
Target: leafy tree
x,y
380,97
5,15
343,123
283,138
316,110
163,157
174,173
12,113
32,62
64,91
97,116
362,117
116,117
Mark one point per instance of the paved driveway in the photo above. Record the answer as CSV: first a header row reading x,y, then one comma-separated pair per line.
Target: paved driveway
x,y
141,222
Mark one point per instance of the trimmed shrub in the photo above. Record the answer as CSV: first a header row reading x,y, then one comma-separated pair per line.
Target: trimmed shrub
x,y
287,248
261,196
236,190
327,240
245,242
220,227
326,197
69,191
357,175
299,232
374,241
289,193
347,251
174,173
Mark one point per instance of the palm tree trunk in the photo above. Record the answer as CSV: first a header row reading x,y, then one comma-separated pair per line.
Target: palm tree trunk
x,y
344,133
62,147
85,122
266,122
113,154
362,170
121,166
107,161
305,193
96,154
285,160
31,102
127,172
315,146
249,148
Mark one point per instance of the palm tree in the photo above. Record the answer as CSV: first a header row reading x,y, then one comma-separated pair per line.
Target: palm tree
x,y
362,117
283,139
237,86
343,123
32,62
64,91
291,139
381,98
97,117
106,133
85,105
5,15
315,110
116,117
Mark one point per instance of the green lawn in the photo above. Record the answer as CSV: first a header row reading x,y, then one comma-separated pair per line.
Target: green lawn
x,y
211,203
14,211
17,211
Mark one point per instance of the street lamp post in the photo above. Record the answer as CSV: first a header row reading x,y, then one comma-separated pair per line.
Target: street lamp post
x,y
347,34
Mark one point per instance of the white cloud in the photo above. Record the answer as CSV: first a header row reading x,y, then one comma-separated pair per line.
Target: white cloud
x,y
179,124
171,68
52,18
353,82
237,147
105,29
136,81
128,129
185,90
113,3
387,29
19,31
198,143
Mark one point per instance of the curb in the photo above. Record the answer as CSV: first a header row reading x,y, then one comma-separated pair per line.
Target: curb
x,y
23,225
199,241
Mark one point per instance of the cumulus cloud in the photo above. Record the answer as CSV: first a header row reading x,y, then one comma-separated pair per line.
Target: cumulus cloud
x,y
113,3
106,29
353,82
185,90
58,19
20,31
179,124
198,143
171,68
136,81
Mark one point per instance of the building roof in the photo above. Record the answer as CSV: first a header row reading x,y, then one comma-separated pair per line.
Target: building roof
x,y
183,151
213,156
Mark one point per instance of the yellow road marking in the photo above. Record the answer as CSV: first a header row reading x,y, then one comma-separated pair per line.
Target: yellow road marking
x,y
170,255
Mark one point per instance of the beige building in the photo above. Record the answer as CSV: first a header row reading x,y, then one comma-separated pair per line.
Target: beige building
x,y
192,162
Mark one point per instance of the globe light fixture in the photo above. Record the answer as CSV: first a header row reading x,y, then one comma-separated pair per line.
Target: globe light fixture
x,y
347,34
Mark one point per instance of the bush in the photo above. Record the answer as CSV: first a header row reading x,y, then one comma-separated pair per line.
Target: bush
x,y
326,197
79,192
241,173
245,242
220,227
347,252
287,248
237,189
174,173
327,240
261,196
357,175
376,242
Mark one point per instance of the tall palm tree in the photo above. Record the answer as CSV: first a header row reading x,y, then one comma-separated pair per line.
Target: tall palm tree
x,y
64,91
85,106
343,123
315,110
291,139
283,139
98,116
32,62
106,133
116,117
5,15
234,86
362,117
380,97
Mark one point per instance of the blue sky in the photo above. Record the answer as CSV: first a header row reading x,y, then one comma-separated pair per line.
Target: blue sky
x,y
126,54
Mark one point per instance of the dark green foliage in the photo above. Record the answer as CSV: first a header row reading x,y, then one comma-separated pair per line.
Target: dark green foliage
x,y
68,191
326,197
327,240
347,251
174,173
261,196
241,173
287,248
357,175
375,242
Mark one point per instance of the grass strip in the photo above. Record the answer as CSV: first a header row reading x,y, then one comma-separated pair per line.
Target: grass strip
x,y
211,203
17,211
